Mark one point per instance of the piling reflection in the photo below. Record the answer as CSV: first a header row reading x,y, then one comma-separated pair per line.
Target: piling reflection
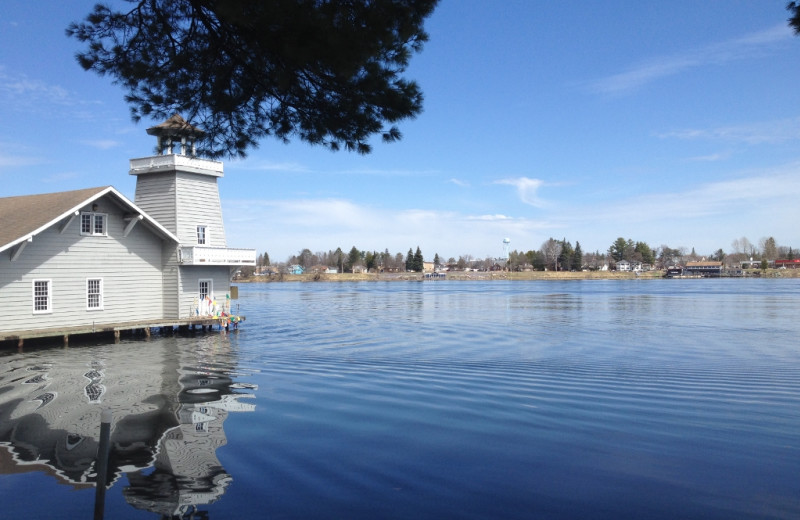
x,y
169,400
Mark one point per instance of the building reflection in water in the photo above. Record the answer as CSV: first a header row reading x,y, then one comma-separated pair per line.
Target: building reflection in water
x,y
169,399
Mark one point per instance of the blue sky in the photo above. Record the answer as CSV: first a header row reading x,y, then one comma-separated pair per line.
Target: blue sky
x,y
671,123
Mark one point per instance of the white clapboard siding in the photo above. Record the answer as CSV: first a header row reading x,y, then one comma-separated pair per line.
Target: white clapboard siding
x,y
198,203
130,267
171,281
190,287
156,197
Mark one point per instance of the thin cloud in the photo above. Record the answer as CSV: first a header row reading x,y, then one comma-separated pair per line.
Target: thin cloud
x,y
527,189
102,144
20,88
61,177
714,157
490,217
715,54
713,199
288,167
325,224
459,182
771,132
16,161
294,167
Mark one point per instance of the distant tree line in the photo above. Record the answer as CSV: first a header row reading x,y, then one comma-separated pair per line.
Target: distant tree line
x,y
552,255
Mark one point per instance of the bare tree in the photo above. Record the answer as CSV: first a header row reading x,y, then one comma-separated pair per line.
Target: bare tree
x,y
551,249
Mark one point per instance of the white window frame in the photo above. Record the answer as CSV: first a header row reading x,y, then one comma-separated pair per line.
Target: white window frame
x,y
202,240
93,220
49,296
100,298
210,283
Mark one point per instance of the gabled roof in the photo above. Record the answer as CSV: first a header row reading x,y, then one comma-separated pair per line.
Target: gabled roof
x,y
26,216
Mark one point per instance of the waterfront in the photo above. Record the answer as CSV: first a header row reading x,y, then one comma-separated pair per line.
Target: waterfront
x,y
541,399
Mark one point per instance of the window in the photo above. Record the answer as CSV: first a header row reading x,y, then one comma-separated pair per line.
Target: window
x,y
94,293
93,224
201,235
42,297
205,289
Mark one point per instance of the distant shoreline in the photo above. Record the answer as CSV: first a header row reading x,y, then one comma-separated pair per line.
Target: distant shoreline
x,y
494,275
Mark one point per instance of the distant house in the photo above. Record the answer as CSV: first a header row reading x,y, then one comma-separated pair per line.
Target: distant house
x,y
623,265
93,258
787,263
296,269
703,268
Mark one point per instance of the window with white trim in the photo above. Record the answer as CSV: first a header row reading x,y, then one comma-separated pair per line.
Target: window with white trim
x,y
201,235
206,287
93,224
42,296
94,294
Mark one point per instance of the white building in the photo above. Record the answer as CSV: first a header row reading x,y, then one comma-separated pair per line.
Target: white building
x,y
86,260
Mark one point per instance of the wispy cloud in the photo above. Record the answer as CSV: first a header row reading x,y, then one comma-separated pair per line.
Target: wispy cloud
x,y
15,155
16,161
102,144
32,96
20,87
778,131
725,209
267,166
714,54
459,182
295,167
720,156
733,198
527,189
60,177
323,224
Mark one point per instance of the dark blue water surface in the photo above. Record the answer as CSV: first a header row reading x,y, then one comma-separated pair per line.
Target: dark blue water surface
x,y
656,399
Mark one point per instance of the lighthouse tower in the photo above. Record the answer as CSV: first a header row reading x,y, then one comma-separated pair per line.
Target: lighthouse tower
x,y
179,190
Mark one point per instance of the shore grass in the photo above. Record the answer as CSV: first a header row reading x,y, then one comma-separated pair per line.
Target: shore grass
x,y
496,275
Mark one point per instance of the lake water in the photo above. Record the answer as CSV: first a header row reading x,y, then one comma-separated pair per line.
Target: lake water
x,y
659,399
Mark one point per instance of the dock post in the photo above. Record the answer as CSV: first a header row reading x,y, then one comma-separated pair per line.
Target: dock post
x,y
116,336
102,464
66,340
147,332
20,344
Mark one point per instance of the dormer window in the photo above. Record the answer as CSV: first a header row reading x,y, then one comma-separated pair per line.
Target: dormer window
x,y
93,224
201,235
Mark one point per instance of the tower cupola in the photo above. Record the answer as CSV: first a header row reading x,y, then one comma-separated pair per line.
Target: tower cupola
x,y
176,131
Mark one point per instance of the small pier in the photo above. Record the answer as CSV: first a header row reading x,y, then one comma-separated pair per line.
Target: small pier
x,y
142,328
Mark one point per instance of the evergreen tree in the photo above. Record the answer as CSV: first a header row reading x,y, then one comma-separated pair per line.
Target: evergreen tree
x,y
265,259
617,249
410,260
577,257
329,72
369,261
645,253
353,258
419,264
565,257
436,260
339,257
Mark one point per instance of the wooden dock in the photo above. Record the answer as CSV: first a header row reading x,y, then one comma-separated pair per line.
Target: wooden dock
x,y
144,327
